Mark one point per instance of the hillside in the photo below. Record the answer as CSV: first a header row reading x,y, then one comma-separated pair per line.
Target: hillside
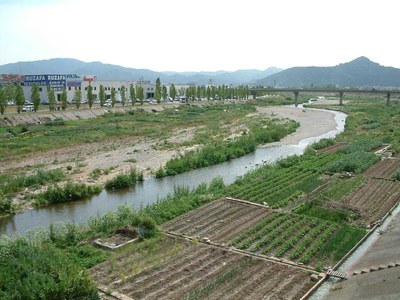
x,y
114,72
360,72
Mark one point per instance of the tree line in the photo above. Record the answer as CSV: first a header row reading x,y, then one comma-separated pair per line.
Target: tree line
x,y
14,93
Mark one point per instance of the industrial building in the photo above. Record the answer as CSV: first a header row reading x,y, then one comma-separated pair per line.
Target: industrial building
x,y
73,82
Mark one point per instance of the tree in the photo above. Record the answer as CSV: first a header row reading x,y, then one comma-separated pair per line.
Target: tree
x,y
19,98
158,90
10,92
172,91
140,94
90,97
208,93
52,97
198,93
164,92
35,97
77,98
3,99
102,95
112,97
64,99
123,97
132,94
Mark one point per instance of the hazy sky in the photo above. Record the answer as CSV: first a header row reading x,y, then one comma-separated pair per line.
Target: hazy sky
x,y
206,35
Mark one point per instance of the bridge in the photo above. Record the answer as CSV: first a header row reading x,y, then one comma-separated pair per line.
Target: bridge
x,y
341,92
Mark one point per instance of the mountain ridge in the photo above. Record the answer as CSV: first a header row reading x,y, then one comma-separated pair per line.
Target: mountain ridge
x,y
360,72
104,71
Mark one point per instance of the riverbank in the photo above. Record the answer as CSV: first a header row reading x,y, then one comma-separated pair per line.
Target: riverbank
x,y
98,162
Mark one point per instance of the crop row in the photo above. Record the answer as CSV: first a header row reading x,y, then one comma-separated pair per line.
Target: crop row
x,y
294,236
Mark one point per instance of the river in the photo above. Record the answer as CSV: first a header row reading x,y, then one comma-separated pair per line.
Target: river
x,y
153,189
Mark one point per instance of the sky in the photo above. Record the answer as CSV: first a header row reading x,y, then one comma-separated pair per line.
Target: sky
x,y
206,35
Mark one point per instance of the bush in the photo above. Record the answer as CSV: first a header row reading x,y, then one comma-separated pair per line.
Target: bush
x,y
126,180
323,143
6,205
69,192
356,162
396,175
30,270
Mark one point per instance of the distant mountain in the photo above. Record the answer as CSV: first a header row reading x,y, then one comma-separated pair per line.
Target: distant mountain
x,y
114,72
360,72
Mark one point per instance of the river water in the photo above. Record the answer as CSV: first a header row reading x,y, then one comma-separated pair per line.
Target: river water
x,y
153,189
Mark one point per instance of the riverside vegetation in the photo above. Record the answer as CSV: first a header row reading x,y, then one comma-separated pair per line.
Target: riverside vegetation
x,y
221,131
323,227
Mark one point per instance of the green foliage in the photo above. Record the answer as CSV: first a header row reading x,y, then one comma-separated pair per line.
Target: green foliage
x,y
6,205
3,99
35,97
51,97
314,209
341,242
323,143
356,162
55,122
220,151
69,192
19,98
14,183
358,145
184,200
63,99
30,270
126,180
396,175
77,98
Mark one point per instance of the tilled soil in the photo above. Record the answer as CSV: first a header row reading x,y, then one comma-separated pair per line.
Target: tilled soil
x,y
199,271
218,221
374,199
383,169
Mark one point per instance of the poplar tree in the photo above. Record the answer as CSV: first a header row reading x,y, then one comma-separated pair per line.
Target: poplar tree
x,y
64,99
102,95
90,97
172,91
77,98
164,92
123,97
140,94
158,90
19,98
112,97
35,97
52,97
3,99
132,94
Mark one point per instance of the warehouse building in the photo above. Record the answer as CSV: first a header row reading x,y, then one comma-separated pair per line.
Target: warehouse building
x,y
72,83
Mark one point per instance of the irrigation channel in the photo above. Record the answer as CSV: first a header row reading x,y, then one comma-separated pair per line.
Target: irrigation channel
x,y
153,189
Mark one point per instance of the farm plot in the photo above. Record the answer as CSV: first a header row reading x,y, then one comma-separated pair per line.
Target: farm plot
x,y
374,199
332,149
281,184
383,169
198,271
296,237
218,221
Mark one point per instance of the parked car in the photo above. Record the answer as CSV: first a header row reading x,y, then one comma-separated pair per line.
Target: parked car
x,y
27,108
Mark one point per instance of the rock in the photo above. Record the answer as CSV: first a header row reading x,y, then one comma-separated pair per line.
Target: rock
x,y
314,277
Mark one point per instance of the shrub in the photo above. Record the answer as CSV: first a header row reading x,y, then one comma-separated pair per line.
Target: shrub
x,y
396,175
30,270
6,205
323,143
126,180
356,162
69,192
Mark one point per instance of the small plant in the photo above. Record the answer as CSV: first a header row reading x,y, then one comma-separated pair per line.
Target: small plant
x,y
69,167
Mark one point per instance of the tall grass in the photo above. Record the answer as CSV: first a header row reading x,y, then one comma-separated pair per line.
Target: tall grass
x,y
14,183
125,180
69,192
